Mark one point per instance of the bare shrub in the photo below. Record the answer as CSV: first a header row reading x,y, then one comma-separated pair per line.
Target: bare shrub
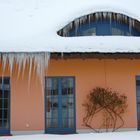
x,y
110,103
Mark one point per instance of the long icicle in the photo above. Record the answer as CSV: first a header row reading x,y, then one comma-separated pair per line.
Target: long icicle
x,y
39,59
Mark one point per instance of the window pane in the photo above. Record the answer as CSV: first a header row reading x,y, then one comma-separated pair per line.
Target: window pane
x,y
1,86
48,123
71,113
54,107
71,107
0,93
0,80
6,81
6,93
64,108
0,83
71,102
67,86
138,111
48,107
116,31
88,32
71,123
5,103
6,124
64,123
6,87
54,123
64,86
0,123
1,114
70,86
138,83
52,86
5,114
0,103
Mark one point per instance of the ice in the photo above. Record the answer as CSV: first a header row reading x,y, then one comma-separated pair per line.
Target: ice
x,y
89,18
99,15
40,60
96,16
130,25
4,62
104,15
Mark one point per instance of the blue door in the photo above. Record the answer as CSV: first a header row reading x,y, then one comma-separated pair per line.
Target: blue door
x,y
60,105
4,105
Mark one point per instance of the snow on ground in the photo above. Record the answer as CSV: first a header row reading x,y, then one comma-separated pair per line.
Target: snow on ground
x,y
32,25
91,136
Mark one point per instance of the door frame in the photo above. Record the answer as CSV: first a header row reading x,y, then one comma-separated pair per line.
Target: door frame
x,y
8,131
64,130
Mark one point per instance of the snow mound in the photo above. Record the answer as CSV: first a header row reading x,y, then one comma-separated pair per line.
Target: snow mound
x,y
32,25
90,136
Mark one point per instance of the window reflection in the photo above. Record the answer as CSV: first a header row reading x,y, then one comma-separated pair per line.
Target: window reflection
x,y
88,32
52,87
116,31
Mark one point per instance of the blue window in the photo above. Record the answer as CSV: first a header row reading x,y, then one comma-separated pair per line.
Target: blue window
x,y
60,105
101,24
4,105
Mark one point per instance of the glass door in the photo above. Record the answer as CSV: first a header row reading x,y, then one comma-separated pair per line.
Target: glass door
x,y
4,105
60,105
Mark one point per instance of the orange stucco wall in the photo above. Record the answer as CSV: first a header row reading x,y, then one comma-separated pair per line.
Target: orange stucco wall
x,y
27,99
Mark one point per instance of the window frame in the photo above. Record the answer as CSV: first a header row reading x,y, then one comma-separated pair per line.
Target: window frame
x,y
60,130
4,88
102,28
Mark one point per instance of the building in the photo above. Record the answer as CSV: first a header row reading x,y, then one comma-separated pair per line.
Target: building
x,y
54,52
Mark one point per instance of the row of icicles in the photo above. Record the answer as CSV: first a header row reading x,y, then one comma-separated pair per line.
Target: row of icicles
x,y
96,16
40,60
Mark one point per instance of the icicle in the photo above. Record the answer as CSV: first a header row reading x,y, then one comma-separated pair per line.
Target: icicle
x,y
62,54
11,60
76,24
40,60
126,19
24,65
110,17
89,19
114,16
91,16
133,23
100,15
104,15
30,62
80,21
96,16
71,25
47,57
130,25
4,62
118,17
19,61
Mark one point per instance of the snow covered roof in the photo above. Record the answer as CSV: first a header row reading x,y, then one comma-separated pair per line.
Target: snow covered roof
x,y
32,25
